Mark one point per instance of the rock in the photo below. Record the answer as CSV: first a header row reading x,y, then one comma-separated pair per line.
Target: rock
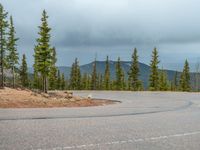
x,y
73,99
69,94
89,96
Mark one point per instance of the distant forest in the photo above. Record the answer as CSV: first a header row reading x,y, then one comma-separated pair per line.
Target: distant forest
x,y
47,76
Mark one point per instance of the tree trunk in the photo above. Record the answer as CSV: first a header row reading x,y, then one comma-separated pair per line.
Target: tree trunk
x,y
44,84
45,89
2,64
13,72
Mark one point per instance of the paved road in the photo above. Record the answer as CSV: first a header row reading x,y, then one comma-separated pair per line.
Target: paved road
x,y
143,121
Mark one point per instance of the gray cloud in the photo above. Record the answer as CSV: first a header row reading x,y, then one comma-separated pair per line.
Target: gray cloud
x,y
110,25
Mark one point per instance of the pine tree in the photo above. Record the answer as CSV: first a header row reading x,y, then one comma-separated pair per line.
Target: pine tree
x,y
185,78
94,77
53,71
58,80
24,72
154,76
163,82
62,81
88,82
175,82
3,44
119,83
12,57
43,51
100,82
133,74
84,81
36,82
67,84
75,76
107,75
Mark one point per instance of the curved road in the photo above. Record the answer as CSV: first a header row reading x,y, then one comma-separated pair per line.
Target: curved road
x,y
142,121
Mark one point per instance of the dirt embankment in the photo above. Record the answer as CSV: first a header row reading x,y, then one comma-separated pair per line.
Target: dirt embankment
x,y
18,98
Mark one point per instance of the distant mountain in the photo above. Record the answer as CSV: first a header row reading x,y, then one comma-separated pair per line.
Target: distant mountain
x,y
144,70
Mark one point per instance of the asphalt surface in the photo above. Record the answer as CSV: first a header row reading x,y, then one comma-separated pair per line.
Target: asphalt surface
x,y
142,121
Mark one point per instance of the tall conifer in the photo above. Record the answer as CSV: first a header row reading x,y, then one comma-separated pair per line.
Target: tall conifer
x,y
107,75
133,74
119,82
43,51
154,75
94,77
12,57
24,72
3,44
185,78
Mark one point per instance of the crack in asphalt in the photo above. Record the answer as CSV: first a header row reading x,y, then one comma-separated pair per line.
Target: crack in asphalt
x,y
100,116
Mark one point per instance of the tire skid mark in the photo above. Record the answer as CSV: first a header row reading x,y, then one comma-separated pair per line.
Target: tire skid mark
x,y
101,116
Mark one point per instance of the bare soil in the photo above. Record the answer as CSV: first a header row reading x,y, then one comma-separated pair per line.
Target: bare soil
x,y
24,98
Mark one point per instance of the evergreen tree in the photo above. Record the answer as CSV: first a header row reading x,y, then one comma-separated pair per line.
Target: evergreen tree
x,y
67,84
107,75
24,72
94,77
88,82
84,81
62,81
163,82
3,44
119,83
154,75
75,76
53,71
185,78
100,82
36,83
12,57
175,82
58,80
36,79
72,77
133,74
43,51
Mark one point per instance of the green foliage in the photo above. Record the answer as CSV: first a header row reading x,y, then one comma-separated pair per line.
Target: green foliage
x,y
84,82
100,82
75,76
94,77
58,80
62,85
119,82
12,57
107,75
133,75
175,85
185,78
163,82
154,76
24,72
53,71
43,52
3,44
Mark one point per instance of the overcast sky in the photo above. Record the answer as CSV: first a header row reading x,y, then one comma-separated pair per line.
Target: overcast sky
x,y
83,28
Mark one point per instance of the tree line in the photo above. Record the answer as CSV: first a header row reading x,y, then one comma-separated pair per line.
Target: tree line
x,y
158,80
47,76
